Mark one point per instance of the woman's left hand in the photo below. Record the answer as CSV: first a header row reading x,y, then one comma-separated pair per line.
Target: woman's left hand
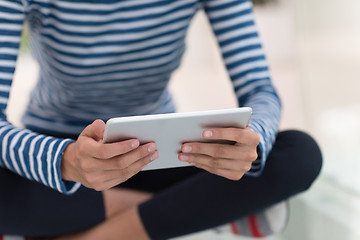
x,y
229,161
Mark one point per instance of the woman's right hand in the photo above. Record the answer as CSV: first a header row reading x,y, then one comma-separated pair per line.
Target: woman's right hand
x,y
101,166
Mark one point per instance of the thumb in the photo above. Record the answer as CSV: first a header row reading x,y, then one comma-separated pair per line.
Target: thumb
x,y
95,130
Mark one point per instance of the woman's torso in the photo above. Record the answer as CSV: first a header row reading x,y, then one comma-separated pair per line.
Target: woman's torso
x,y
100,59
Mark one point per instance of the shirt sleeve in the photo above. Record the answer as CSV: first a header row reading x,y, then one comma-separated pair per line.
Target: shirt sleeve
x,y
31,155
233,24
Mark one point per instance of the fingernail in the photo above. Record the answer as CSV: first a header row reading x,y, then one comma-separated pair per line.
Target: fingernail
x,y
154,156
152,147
208,133
184,157
187,148
135,143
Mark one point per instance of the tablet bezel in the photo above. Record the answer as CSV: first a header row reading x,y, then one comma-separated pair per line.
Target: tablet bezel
x,y
170,131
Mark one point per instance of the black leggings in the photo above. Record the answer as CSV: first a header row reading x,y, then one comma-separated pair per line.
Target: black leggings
x,y
187,199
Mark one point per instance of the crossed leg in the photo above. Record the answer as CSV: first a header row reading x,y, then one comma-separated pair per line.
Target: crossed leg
x,y
181,201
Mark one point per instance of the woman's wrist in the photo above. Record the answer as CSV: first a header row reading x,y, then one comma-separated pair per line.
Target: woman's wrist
x,y
66,161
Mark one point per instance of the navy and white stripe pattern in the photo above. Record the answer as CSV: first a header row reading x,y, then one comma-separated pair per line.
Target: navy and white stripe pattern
x,y
234,27
108,58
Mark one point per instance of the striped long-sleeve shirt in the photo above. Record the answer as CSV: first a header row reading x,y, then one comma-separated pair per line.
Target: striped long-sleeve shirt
x,y
105,58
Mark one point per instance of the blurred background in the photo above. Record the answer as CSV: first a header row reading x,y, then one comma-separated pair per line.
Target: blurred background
x,y
313,48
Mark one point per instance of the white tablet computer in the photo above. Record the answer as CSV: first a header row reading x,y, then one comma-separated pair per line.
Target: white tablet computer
x,y
170,131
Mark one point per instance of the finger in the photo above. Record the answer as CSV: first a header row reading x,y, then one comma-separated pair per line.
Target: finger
x,y
238,135
125,160
147,150
95,130
127,173
212,149
229,174
140,164
99,150
220,163
96,179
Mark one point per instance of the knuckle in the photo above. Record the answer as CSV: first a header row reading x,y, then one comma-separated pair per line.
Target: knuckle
x,y
219,151
252,156
82,148
98,121
142,153
217,133
123,147
196,147
145,151
121,164
84,165
247,167
238,136
216,163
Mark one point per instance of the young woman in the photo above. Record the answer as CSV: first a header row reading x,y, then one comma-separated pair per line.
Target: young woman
x,y
100,59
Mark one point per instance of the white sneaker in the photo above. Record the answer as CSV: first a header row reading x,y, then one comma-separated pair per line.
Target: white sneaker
x,y
271,221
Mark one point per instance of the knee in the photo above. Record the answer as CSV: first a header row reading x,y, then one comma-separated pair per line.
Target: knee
x,y
306,157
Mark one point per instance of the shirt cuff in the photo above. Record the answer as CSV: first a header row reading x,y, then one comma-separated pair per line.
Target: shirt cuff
x,y
259,164
65,187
